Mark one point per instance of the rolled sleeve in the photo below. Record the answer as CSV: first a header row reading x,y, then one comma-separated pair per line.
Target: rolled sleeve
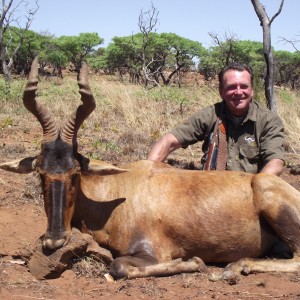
x,y
272,139
196,127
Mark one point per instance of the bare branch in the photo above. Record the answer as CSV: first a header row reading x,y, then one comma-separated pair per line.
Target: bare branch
x,y
10,17
278,12
148,20
292,42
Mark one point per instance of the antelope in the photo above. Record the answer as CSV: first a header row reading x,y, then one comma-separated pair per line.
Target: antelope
x,y
156,219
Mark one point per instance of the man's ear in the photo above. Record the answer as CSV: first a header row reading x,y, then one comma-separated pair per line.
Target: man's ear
x,y
220,92
21,166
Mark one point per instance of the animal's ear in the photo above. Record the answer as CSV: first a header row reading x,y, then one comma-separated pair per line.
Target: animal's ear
x,y
22,166
90,188
97,167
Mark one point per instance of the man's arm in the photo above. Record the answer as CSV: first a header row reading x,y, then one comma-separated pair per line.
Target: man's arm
x,y
163,147
274,166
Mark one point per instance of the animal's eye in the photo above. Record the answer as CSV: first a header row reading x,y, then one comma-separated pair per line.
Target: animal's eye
x,y
74,177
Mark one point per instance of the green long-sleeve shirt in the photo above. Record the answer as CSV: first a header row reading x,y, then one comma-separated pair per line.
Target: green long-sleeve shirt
x,y
250,144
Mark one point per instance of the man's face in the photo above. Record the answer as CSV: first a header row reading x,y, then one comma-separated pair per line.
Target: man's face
x,y
237,91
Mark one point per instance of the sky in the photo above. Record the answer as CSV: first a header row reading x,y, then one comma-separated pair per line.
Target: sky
x,y
191,19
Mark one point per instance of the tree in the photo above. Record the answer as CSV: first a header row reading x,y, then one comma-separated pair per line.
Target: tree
x,y
11,26
229,49
288,68
76,48
97,60
33,46
166,55
147,22
123,55
179,55
266,22
226,46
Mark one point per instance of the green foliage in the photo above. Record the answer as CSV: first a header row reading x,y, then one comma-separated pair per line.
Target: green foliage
x,y
57,58
106,145
259,89
97,60
161,55
123,52
158,53
29,49
7,122
215,58
287,68
76,48
172,94
286,96
11,91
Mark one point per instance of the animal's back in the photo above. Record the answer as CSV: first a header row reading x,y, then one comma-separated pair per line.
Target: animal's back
x,y
186,213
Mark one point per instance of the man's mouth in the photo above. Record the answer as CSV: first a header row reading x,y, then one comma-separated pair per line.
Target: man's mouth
x,y
237,101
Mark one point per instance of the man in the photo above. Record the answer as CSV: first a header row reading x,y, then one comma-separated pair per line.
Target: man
x,y
254,136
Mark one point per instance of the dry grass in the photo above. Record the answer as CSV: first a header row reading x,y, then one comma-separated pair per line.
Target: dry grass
x,y
128,119
289,110
89,267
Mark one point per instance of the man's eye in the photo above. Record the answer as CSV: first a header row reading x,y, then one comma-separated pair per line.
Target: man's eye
x,y
231,88
244,86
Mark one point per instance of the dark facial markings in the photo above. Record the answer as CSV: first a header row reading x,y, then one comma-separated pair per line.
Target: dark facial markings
x,y
57,195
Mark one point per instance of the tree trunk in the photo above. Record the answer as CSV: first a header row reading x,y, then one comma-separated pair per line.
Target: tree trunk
x,y
6,71
265,22
269,78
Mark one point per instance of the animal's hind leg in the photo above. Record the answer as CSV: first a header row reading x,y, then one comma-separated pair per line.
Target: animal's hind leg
x,y
134,267
279,204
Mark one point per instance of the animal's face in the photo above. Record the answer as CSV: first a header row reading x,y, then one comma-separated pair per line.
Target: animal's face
x,y
60,175
59,164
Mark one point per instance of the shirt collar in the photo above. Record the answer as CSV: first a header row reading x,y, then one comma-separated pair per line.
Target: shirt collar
x,y
252,112
251,115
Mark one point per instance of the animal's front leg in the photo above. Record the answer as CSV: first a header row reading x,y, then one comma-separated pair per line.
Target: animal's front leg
x,y
135,267
123,266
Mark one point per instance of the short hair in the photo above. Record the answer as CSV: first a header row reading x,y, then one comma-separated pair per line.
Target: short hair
x,y
235,66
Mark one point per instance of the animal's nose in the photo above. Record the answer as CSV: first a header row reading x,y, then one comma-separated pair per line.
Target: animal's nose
x,y
55,243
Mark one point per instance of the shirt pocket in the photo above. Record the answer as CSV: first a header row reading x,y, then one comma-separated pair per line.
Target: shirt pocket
x,y
249,158
249,153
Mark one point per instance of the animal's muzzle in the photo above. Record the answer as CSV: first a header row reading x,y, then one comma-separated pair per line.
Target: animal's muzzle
x,y
57,242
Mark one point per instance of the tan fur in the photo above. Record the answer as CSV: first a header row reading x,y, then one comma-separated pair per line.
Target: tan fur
x,y
151,214
216,216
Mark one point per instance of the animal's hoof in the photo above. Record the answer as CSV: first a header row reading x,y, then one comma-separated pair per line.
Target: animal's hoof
x,y
201,265
109,278
230,277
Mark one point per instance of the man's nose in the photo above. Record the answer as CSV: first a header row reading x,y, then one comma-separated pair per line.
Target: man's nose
x,y
238,90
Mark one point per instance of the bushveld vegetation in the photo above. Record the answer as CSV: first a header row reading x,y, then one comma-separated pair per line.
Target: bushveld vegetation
x,y
144,83
129,118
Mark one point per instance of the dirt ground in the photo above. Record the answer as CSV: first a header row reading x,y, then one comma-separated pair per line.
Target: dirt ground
x,y
22,222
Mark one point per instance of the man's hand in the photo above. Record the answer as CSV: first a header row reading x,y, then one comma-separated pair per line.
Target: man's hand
x,y
274,166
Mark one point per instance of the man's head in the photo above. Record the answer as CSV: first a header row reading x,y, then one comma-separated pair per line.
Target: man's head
x,y
236,87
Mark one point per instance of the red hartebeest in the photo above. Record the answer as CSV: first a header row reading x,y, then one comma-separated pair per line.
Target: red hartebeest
x,y
156,219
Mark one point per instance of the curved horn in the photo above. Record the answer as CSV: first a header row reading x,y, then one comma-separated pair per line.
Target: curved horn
x,y
69,131
50,129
